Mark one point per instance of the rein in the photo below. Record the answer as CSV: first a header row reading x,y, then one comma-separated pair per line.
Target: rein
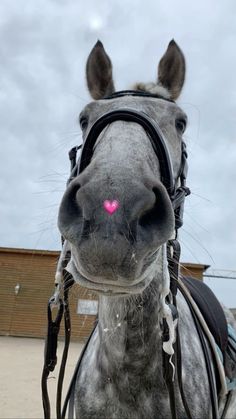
x,y
177,191
50,353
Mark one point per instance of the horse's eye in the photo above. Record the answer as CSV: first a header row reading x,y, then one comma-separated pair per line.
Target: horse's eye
x,y
180,125
83,122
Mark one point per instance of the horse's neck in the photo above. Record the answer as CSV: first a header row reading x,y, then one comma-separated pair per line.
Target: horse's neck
x,y
129,327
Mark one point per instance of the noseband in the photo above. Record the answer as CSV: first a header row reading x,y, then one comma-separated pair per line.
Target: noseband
x,y
176,188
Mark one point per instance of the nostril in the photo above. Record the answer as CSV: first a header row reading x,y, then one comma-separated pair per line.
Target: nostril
x,y
156,215
69,209
72,202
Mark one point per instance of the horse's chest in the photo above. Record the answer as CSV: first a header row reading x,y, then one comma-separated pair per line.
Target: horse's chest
x,y
119,389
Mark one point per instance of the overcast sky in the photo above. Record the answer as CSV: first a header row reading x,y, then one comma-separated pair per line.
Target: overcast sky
x,y
43,49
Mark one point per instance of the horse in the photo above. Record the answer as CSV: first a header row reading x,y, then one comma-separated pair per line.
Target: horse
x,y
117,216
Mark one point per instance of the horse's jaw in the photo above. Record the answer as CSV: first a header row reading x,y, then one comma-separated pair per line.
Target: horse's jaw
x,y
113,311
140,316
119,286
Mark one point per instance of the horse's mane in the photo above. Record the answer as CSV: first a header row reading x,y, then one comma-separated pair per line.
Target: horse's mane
x,y
156,89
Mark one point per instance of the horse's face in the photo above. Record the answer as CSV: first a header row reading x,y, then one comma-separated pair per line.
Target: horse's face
x,y
113,251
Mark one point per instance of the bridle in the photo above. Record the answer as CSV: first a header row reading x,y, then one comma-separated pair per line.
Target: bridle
x,y
177,191
176,188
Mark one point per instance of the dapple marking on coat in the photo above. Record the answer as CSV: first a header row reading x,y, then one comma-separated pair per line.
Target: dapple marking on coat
x,y
123,256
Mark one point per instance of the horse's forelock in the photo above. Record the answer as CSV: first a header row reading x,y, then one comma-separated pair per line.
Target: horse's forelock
x,y
155,89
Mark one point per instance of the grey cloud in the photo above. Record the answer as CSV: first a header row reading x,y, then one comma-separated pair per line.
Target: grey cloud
x,y
43,49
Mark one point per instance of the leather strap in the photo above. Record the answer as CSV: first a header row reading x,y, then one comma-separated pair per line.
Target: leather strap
x,y
155,134
136,93
207,356
68,282
70,394
176,193
50,357
50,353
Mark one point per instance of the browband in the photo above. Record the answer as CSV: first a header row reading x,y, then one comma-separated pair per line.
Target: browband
x,y
139,93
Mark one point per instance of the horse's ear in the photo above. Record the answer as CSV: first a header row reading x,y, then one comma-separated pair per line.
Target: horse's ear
x,y
171,70
99,72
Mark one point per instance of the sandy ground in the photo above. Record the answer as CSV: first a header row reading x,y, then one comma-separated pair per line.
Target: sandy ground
x,y
21,361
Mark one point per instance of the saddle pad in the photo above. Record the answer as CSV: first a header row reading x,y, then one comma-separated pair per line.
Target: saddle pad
x,y
211,310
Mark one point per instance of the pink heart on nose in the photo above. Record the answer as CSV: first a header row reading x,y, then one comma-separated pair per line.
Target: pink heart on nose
x,y
110,206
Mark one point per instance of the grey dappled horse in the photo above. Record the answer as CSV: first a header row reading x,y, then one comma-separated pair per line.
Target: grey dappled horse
x,y
117,217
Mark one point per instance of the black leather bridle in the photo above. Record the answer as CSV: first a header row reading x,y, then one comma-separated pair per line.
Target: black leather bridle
x,y
176,188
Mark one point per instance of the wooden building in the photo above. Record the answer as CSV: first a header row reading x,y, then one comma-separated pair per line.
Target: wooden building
x,y
27,282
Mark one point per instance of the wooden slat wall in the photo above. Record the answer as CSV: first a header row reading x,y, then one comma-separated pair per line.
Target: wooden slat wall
x,y
24,314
